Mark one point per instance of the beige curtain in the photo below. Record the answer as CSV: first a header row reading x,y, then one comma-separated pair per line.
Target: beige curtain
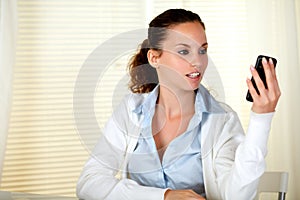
x,y
7,49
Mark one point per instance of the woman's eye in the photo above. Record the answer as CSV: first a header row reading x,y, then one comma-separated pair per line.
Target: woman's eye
x,y
183,52
202,51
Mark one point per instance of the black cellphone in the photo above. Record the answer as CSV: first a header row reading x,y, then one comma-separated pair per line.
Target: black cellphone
x,y
259,68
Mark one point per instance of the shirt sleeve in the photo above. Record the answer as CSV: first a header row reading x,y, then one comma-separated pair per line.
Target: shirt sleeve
x,y
97,180
240,161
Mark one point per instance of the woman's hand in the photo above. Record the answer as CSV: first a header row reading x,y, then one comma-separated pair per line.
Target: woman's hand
x,y
182,195
267,100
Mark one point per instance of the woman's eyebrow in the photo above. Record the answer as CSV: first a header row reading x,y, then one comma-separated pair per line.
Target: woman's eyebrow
x,y
187,45
204,44
183,44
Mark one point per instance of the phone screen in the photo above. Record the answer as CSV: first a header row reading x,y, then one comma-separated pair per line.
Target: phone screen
x,y
260,70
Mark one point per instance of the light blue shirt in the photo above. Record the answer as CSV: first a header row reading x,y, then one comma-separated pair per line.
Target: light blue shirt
x,y
181,165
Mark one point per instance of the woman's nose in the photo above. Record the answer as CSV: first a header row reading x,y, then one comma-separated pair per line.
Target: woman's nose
x,y
196,66
196,61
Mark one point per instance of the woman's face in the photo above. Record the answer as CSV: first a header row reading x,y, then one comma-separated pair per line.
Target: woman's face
x,y
183,60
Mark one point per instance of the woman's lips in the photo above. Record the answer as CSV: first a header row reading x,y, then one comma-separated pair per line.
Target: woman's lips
x,y
193,75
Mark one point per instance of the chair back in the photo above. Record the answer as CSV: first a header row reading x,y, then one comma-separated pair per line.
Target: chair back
x,y
273,182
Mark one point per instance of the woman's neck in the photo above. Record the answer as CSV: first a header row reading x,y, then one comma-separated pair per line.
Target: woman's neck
x,y
176,103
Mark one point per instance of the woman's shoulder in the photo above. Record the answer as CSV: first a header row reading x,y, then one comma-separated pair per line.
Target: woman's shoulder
x,y
131,103
134,100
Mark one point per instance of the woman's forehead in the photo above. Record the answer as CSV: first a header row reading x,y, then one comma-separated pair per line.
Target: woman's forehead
x,y
191,34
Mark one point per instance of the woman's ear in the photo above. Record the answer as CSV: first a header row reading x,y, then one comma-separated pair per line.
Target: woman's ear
x,y
153,57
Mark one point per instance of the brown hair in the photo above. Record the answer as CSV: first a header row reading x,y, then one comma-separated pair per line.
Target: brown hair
x,y
143,77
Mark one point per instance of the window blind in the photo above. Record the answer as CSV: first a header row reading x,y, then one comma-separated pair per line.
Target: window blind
x,y
45,153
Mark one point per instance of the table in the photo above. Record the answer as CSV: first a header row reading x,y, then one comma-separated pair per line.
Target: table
x,y
27,196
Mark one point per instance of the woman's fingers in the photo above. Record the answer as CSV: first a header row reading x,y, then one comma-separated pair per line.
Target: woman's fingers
x,y
258,82
271,78
251,88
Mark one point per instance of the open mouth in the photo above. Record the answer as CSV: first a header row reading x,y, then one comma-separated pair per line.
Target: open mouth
x,y
193,75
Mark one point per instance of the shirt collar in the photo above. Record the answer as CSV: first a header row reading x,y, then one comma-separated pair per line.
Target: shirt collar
x,y
149,102
205,103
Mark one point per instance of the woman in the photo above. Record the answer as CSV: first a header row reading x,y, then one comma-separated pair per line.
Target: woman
x,y
169,138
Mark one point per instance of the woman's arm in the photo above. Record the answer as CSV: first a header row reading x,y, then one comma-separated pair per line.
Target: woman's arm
x,y
240,161
239,172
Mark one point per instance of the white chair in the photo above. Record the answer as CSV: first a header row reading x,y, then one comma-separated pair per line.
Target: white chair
x,y
273,182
